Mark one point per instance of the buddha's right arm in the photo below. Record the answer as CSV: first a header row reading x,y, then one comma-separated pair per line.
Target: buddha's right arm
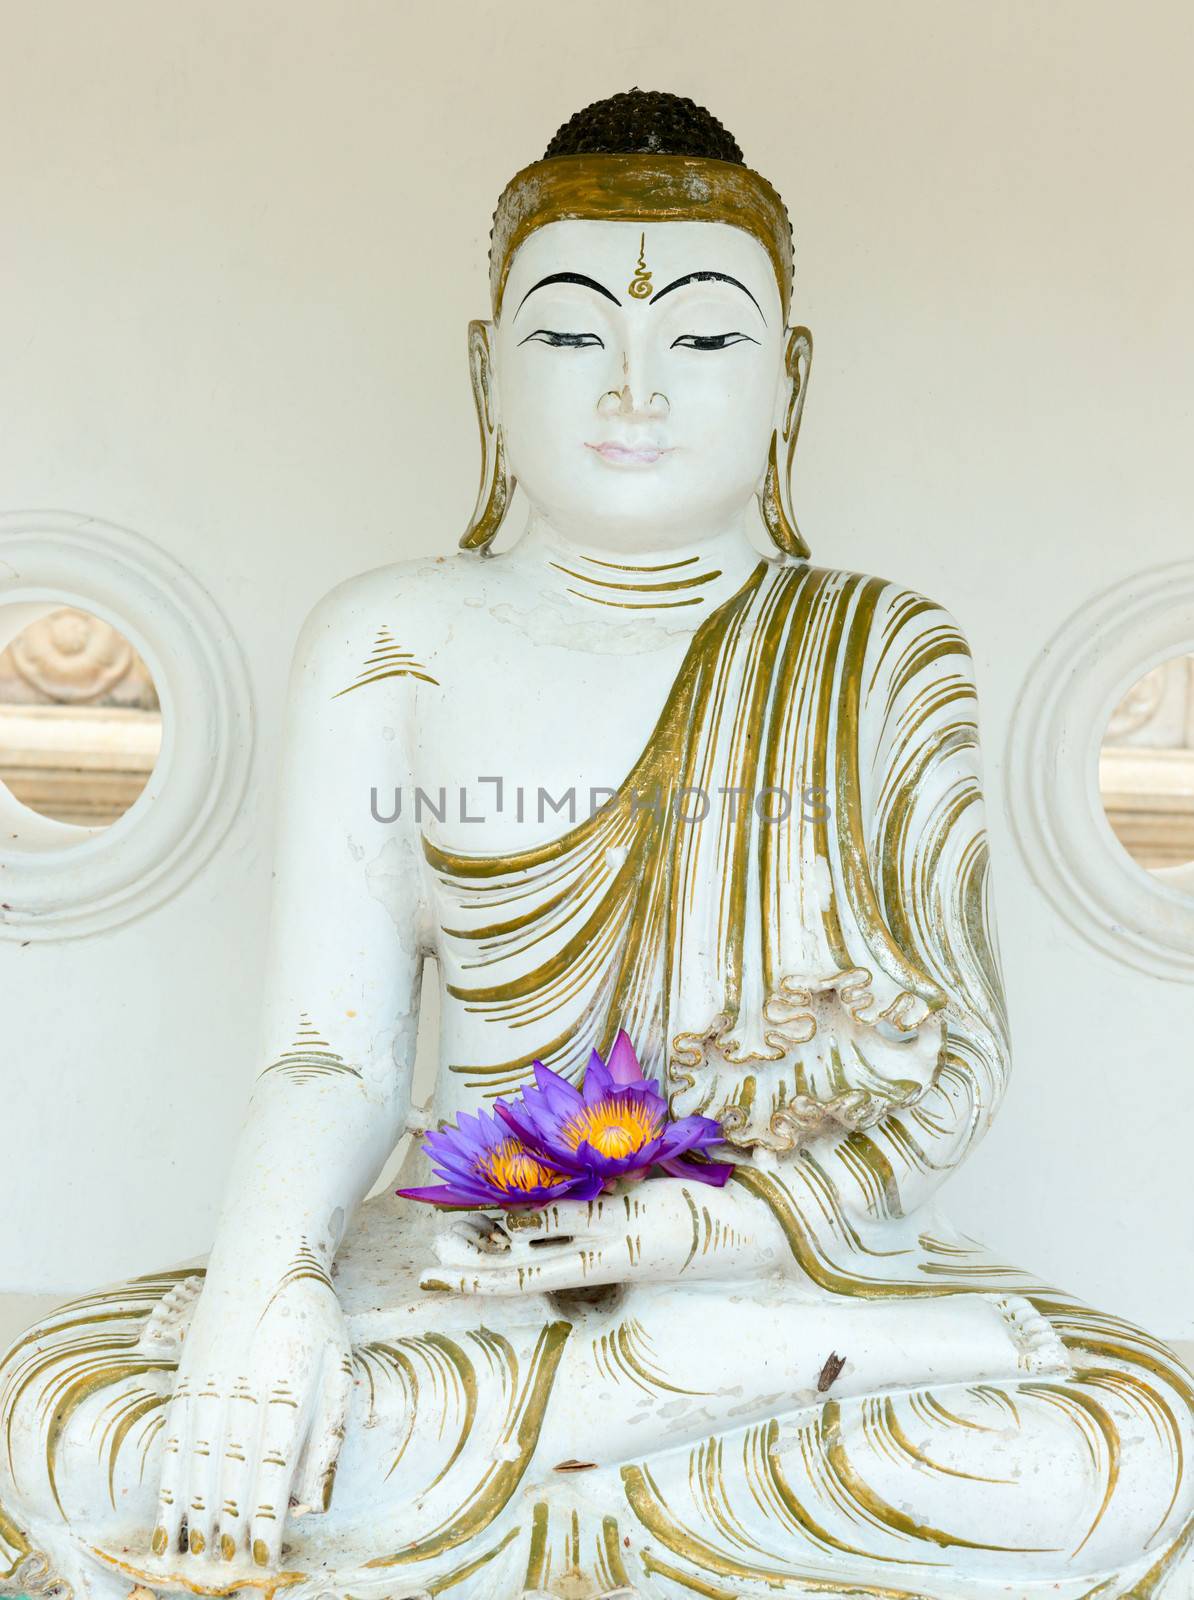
x,y
340,1004
264,1377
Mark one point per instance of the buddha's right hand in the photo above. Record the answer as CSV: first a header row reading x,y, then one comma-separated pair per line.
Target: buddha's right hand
x,y
254,1429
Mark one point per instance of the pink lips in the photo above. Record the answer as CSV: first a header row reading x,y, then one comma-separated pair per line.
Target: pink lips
x,y
625,455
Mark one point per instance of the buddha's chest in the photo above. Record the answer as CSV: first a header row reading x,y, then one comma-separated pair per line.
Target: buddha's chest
x,y
527,743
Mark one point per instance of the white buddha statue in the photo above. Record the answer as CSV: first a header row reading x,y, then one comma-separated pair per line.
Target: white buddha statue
x,y
803,1382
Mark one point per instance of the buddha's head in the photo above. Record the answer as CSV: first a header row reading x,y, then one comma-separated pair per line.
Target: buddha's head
x,y
639,379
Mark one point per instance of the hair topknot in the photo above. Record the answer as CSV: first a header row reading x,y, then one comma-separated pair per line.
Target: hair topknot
x,y
645,122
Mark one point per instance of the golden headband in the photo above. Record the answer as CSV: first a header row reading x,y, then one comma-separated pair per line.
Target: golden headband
x,y
639,188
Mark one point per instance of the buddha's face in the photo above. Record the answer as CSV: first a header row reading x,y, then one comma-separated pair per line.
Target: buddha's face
x,y
639,373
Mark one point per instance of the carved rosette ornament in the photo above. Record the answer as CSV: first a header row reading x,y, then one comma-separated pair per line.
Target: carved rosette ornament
x,y
72,657
1141,704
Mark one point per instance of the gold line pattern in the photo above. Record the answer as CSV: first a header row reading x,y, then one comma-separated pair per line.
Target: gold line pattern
x,y
639,286
309,1057
625,1355
14,1547
386,660
81,1350
637,588
306,1267
524,1418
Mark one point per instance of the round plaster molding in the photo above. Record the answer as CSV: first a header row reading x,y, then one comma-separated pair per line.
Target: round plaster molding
x,y
59,881
1052,783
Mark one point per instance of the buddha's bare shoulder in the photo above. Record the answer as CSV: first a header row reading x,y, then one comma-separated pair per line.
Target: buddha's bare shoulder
x,y
423,587
404,609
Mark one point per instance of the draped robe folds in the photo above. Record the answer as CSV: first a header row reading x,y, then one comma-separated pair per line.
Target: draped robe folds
x,y
786,907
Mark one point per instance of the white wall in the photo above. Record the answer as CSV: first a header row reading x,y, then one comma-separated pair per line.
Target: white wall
x,y
241,242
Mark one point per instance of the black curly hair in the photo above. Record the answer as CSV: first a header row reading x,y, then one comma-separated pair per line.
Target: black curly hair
x,y
645,122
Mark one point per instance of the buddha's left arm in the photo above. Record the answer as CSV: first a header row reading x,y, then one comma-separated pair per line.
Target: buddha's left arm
x,y
926,844
927,840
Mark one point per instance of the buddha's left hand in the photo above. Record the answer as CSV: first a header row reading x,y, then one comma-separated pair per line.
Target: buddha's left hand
x,y
662,1230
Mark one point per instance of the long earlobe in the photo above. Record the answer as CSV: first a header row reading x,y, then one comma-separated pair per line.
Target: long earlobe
x,y
775,498
493,496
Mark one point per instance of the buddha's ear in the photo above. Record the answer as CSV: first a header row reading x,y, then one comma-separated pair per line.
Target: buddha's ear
x,y
493,497
775,497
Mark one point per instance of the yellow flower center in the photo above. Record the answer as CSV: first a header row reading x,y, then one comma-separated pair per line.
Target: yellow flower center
x,y
510,1165
613,1127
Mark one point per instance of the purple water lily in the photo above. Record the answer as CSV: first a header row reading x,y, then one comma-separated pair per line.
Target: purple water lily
x,y
484,1163
616,1124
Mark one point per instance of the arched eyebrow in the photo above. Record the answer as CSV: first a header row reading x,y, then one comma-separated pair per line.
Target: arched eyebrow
x,y
707,277
568,277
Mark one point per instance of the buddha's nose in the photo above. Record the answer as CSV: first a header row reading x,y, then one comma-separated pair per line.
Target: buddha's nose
x,y
626,402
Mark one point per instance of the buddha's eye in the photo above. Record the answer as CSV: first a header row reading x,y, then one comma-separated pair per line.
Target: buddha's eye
x,y
563,341
711,341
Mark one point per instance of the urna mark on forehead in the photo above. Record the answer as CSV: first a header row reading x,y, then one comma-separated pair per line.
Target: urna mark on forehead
x,y
625,263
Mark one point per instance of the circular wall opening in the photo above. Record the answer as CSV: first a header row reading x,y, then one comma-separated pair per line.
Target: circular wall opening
x,y
80,719
117,620
1146,771
1098,754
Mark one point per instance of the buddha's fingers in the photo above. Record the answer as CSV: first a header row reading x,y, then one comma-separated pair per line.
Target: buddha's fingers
x,y
237,1459
564,1219
538,1270
281,1437
172,1486
465,1241
317,1470
202,1459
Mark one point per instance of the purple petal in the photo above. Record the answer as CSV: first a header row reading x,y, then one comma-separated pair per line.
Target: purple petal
x,y
458,1155
597,1081
690,1133
623,1063
646,1100
561,1095
588,1187
510,1116
473,1127
436,1139
537,1115
440,1194
452,1159
547,1110
619,1166
717,1173
520,1121
565,1190
646,1092
541,1142
459,1149
540,1131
